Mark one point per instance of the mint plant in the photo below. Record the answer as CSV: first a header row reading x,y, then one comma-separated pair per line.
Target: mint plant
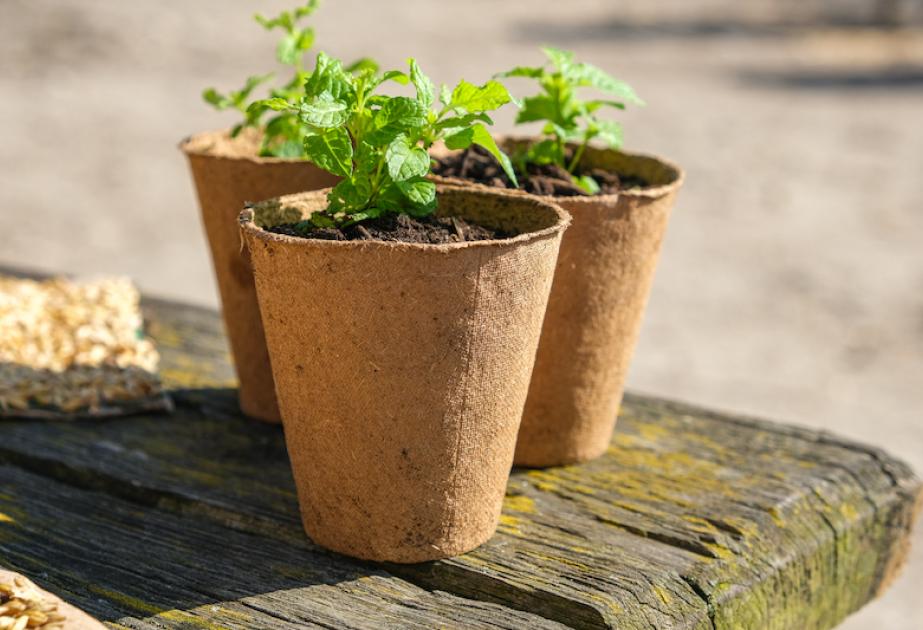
x,y
282,134
379,144
567,118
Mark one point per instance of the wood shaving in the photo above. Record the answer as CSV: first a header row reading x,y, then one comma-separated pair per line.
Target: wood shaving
x,y
70,347
22,606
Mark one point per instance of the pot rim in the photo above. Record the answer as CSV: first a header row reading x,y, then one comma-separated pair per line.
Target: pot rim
x,y
249,228
653,192
185,145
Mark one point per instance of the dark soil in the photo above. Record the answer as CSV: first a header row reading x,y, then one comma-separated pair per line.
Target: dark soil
x,y
398,228
477,165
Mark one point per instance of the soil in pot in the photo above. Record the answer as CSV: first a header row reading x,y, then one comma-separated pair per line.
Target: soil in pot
x,y
477,165
398,228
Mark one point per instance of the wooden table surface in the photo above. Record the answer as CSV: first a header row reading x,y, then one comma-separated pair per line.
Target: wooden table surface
x,y
692,520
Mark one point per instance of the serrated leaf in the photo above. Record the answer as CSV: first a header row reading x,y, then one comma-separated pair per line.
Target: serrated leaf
x,y
544,152
391,75
290,149
330,150
397,115
307,9
539,107
275,104
523,71
284,20
589,75
483,138
352,193
562,60
608,131
404,161
287,49
591,106
216,99
329,76
479,98
455,123
421,193
445,95
362,65
323,111
426,91
478,134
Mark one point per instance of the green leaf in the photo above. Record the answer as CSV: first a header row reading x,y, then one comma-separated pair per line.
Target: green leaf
x,y
587,183
351,193
323,111
287,50
445,95
474,98
539,107
590,75
404,161
284,20
252,83
420,193
591,106
331,150
364,64
216,99
321,220
523,71
290,149
398,115
391,75
478,134
329,76
545,152
562,60
608,131
307,9
275,104
454,123
426,91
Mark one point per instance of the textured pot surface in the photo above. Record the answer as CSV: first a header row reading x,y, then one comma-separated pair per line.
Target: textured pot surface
x,y
228,174
402,370
602,282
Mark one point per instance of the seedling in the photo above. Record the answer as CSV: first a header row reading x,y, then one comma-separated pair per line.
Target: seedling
x,y
282,134
566,117
378,144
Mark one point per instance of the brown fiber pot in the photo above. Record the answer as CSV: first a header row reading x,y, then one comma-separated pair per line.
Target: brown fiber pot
x,y
402,370
602,282
228,174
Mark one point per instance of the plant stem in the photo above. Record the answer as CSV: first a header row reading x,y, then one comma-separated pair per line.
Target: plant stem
x,y
576,159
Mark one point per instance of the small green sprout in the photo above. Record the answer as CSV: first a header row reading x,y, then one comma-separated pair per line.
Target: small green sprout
x,y
379,144
282,134
566,117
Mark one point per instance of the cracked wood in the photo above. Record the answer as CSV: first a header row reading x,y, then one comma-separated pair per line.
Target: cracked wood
x,y
692,520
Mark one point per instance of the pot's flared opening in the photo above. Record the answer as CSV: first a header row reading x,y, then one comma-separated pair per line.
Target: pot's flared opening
x,y
220,144
511,212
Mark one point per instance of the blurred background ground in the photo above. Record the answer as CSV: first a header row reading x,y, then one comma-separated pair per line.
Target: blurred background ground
x,y
790,283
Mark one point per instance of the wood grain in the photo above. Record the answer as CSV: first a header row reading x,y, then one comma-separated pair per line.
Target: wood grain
x,y
692,519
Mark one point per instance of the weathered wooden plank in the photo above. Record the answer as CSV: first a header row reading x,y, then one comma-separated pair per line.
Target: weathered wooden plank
x,y
142,567
692,520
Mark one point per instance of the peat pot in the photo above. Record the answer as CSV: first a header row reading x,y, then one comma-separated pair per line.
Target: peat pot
x,y
402,369
601,287
228,173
